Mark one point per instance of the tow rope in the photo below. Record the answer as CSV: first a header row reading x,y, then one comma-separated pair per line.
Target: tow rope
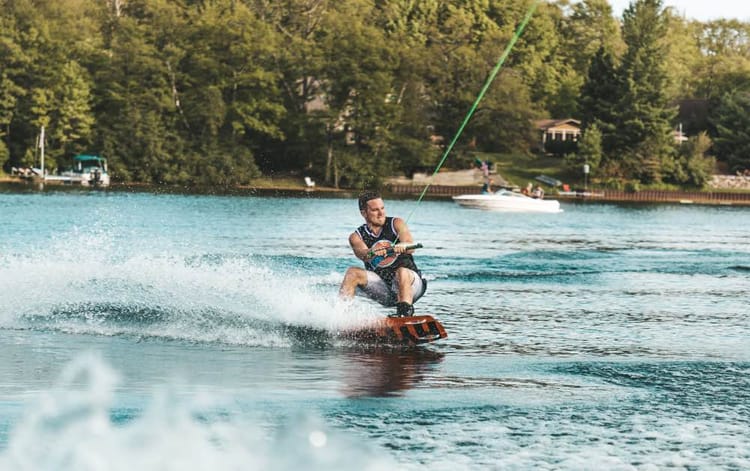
x,y
487,84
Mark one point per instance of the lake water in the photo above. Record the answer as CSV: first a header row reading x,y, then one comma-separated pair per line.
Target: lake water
x,y
169,332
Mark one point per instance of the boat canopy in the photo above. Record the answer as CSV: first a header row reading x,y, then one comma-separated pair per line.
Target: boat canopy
x,y
85,157
82,162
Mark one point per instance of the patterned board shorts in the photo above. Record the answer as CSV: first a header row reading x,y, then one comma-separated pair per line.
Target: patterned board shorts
x,y
378,290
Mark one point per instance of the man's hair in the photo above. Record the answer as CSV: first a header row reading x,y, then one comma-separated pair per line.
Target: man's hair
x,y
367,196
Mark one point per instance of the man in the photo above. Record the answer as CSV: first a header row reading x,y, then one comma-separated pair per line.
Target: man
x,y
390,276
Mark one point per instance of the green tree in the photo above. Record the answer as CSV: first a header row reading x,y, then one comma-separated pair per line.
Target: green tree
x,y
588,28
647,143
205,91
589,151
42,107
501,123
231,70
467,40
410,29
540,56
683,56
725,63
23,37
42,38
600,100
357,87
456,68
299,62
9,96
74,117
187,88
724,67
135,102
732,142
12,63
694,165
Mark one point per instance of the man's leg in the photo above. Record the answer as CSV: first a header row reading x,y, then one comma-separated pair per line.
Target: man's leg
x,y
354,277
369,284
404,279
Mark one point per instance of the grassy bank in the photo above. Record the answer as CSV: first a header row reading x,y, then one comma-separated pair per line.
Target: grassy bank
x,y
281,182
285,182
520,169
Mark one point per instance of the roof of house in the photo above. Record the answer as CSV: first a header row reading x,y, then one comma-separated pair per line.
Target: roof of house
x,y
545,124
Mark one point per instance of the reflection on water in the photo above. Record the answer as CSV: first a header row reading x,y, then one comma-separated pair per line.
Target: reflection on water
x,y
383,371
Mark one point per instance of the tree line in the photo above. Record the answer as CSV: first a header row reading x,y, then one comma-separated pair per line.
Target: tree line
x,y
350,91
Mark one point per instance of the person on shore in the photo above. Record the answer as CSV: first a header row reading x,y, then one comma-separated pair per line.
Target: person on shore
x,y
390,276
484,167
487,187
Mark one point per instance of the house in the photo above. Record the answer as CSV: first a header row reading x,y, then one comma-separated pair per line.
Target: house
x,y
558,136
567,129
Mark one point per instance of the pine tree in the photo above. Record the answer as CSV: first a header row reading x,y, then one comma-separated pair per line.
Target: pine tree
x,y
733,129
646,138
600,100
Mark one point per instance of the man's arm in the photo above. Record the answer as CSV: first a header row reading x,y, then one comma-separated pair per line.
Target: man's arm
x,y
404,236
358,247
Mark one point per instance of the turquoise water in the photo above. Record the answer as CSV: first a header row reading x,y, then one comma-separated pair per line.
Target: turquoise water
x,y
160,332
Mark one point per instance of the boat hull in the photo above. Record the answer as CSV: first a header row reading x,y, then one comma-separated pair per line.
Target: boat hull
x,y
508,202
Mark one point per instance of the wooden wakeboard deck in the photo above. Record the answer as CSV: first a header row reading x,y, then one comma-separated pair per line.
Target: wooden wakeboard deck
x,y
399,331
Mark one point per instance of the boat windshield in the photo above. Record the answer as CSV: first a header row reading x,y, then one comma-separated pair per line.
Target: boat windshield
x,y
81,164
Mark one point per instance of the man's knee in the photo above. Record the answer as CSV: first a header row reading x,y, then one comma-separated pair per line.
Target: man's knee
x,y
356,275
404,276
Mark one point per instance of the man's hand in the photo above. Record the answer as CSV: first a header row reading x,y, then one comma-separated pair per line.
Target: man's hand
x,y
379,252
401,247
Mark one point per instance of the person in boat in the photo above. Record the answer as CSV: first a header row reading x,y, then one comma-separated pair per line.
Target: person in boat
x,y
527,191
538,192
395,279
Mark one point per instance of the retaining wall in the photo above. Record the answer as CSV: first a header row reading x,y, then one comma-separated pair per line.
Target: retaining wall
x,y
647,196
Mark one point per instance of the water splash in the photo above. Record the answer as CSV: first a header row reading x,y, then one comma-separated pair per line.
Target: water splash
x,y
71,427
231,298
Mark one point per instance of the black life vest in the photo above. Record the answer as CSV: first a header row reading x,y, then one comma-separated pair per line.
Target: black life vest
x,y
388,232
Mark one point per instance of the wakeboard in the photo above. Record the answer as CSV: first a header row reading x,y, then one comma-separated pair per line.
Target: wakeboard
x,y
412,330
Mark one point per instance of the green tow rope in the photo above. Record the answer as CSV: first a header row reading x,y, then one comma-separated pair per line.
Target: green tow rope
x,y
487,84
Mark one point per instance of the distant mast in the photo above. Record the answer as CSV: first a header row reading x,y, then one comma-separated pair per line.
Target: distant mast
x,y
41,150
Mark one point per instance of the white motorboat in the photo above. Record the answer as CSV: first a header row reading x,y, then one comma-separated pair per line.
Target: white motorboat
x,y
88,170
504,200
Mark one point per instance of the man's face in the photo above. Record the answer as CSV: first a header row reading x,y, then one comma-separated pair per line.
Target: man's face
x,y
374,212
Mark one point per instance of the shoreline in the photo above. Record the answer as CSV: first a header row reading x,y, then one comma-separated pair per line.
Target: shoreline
x,y
722,198
33,185
435,192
